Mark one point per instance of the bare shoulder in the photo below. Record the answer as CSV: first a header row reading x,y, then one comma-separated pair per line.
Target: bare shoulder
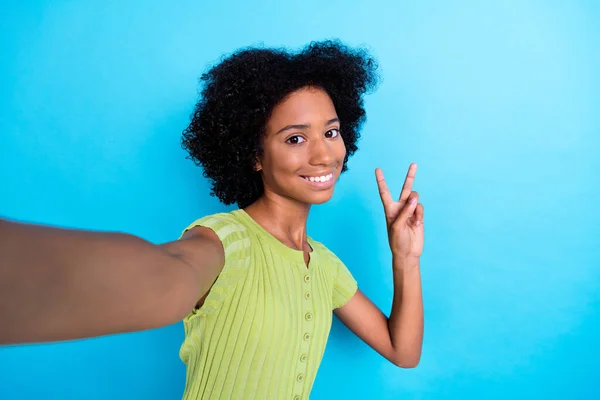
x,y
199,247
207,241
204,245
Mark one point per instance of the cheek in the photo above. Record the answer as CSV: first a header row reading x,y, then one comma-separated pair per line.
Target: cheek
x,y
282,161
341,152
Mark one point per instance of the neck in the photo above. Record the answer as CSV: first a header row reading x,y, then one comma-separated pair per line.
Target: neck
x,y
283,218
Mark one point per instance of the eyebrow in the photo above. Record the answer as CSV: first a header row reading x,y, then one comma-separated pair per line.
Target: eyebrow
x,y
305,126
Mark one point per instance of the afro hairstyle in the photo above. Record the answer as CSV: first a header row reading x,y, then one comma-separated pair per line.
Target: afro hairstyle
x,y
239,93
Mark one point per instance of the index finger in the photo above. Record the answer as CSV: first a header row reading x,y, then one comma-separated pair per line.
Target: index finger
x,y
384,192
408,182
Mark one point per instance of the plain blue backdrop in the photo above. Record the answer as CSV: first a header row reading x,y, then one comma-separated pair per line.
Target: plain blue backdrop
x,y
498,103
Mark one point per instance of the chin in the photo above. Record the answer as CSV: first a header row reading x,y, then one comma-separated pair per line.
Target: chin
x,y
320,198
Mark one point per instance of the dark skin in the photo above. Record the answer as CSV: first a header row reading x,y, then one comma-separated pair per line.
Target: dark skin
x,y
312,148
302,140
62,276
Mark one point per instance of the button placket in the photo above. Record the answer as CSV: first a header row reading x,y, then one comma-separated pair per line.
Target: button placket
x,y
308,316
308,328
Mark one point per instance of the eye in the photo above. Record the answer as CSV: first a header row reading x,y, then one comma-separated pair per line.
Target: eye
x,y
332,133
295,140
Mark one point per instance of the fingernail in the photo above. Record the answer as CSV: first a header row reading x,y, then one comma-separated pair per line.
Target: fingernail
x,y
413,200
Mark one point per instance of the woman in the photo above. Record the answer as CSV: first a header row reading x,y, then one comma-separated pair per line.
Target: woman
x,y
273,131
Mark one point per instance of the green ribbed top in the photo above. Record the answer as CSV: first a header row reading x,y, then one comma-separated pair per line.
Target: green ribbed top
x,y
262,330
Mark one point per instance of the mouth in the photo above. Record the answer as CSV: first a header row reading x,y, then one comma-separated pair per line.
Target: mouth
x,y
320,181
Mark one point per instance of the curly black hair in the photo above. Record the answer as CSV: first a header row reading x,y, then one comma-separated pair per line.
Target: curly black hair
x,y
240,92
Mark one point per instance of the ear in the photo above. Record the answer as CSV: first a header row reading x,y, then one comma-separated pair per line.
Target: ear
x,y
257,165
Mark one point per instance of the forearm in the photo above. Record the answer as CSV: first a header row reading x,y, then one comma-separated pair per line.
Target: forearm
x,y
58,284
406,319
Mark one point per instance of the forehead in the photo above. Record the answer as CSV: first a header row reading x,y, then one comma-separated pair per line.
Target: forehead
x,y
304,106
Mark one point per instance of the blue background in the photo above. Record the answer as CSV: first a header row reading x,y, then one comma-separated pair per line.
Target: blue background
x,y
498,103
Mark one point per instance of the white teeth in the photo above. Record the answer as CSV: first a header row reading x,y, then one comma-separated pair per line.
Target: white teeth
x,y
324,178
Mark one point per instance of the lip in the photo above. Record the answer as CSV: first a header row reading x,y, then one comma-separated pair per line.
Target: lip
x,y
321,185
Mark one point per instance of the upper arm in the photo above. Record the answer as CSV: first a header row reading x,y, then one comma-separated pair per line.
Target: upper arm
x,y
201,249
217,247
367,321
169,280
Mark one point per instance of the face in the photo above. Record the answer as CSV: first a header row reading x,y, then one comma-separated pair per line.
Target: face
x,y
303,150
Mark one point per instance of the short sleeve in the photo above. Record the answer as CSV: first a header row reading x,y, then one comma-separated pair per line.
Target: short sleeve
x,y
236,245
344,285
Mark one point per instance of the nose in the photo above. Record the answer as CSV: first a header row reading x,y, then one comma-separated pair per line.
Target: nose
x,y
321,152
